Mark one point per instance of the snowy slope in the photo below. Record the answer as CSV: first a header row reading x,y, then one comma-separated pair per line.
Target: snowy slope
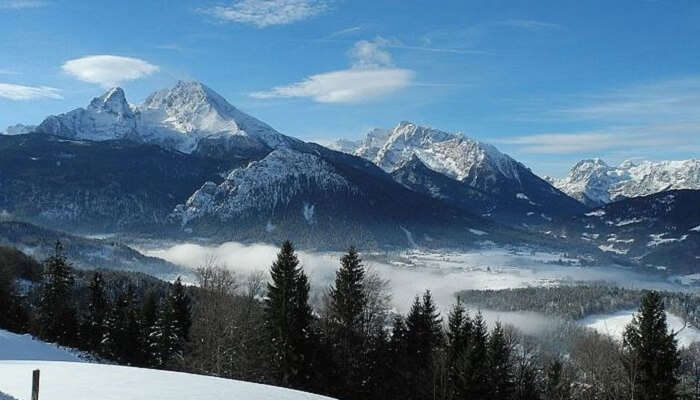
x,y
264,186
71,381
14,346
64,377
594,182
177,118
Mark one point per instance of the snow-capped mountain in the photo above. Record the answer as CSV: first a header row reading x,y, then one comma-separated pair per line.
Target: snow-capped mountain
x,y
508,190
324,198
593,182
182,118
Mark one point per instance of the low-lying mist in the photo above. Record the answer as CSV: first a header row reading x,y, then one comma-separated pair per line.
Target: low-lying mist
x,y
443,274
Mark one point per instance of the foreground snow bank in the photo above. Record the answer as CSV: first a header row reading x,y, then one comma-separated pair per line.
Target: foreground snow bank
x,y
23,347
70,380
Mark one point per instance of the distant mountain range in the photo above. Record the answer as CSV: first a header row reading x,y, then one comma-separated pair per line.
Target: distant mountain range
x,y
594,183
186,164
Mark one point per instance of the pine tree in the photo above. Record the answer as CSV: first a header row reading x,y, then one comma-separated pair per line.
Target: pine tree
x,y
401,373
288,319
347,303
476,377
458,337
95,324
122,338
170,330
57,315
179,304
164,342
424,335
499,365
653,360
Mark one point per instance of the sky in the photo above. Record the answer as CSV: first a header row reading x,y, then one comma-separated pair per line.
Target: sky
x,y
548,82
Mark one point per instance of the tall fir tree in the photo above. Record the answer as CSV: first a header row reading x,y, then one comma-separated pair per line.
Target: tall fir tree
x,y
180,307
499,365
170,332
57,314
95,324
652,360
401,374
476,376
347,303
122,338
458,340
424,335
288,319
164,343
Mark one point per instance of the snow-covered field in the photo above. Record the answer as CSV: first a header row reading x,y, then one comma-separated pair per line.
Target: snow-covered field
x,y
62,380
412,272
24,347
614,325
64,377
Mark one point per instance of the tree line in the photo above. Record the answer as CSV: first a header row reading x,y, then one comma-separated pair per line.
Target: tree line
x,y
350,345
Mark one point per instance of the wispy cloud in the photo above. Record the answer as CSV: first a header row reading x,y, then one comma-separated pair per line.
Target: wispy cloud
x,y
674,99
666,137
663,115
265,13
372,75
108,70
530,24
20,92
22,4
8,72
346,32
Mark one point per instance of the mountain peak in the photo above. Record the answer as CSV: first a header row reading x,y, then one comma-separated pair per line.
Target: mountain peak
x,y
113,102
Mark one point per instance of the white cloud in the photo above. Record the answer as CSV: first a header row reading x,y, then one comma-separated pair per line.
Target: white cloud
x,y
21,4
264,13
19,92
370,54
345,86
108,70
371,76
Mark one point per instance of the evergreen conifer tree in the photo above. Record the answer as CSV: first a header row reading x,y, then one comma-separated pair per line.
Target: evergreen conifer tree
x,y
476,377
57,314
499,365
653,360
458,336
288,319
347,303
95,324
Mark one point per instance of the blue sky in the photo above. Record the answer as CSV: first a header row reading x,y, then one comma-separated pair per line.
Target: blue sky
x,y
549,82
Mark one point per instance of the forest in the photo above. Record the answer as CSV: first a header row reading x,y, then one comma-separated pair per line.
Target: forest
x,y
350,343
